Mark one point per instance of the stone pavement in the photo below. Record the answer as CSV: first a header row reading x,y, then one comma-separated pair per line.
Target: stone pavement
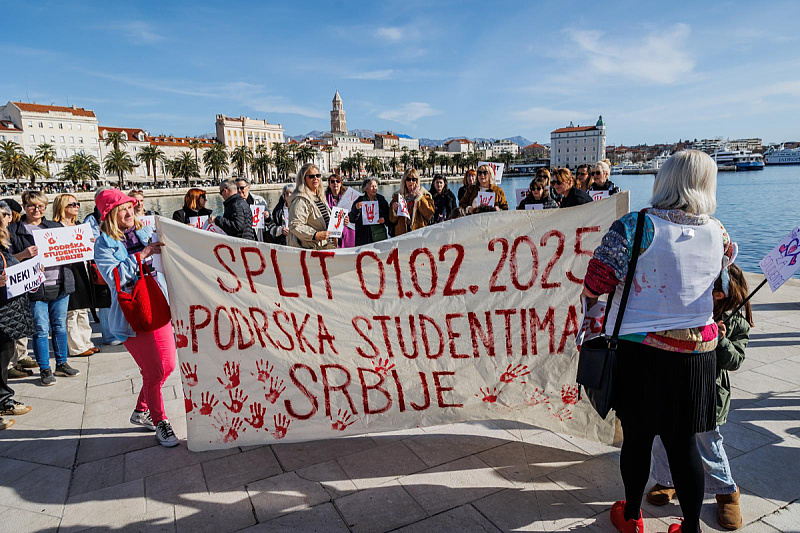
x,y
75,463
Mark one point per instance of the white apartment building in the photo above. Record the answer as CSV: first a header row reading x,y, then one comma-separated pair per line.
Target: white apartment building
x,y
69,129
135,138
578,145
404,141
9,132
460,145
246,131
504,146
387,141
175,146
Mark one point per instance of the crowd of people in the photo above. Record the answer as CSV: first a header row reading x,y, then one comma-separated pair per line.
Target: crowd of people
x,y
678,344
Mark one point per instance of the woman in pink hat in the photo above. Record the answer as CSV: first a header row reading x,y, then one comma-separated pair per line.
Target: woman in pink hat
x,y
122,237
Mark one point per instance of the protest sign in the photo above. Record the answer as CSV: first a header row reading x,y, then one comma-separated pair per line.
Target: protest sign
x,y
148,221
598,195
370,213
258,211
498,170
213,228
521,194
530,207
471,319
285,217
486,198
592,324
336,224
198,222
61,246
346,202
402,207
24,277
782,262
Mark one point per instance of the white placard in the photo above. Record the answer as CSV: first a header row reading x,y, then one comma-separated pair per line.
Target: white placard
x,y
156,258
198,222
285,217
24,277
402,207
592,325
599,195
486,198
782,262
498,170
258,215
336,224
148,221
348,199
213,228
370,213
521,194
531,207
61,246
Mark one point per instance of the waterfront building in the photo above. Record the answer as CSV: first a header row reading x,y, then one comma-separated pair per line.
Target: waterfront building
x,y
175,146
246,131
460,146
387,141
708,145
754,144
68,129
536,151
577,145
405,141
9,132
504,146
135,139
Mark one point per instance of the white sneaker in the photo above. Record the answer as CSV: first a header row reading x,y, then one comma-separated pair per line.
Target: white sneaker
x,y
165,435
142,418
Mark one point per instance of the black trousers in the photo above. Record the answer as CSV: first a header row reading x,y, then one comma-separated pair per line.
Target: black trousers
x,y
7,347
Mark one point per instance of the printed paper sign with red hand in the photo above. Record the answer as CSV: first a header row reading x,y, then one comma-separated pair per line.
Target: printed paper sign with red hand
x,y
369,213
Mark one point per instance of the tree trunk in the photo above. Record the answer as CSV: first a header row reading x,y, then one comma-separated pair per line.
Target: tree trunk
x,y
121,180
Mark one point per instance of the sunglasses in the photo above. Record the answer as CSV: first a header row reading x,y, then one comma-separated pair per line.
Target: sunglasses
x,y
537,188
595,173
334,181
483,173
33,207
7,215
314,176
557,182
74,204
242,188
583,173
203,197
412,179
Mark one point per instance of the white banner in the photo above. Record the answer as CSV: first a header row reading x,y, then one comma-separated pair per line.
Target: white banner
x,y
530,207
336,224
61,246
24,277
148,220
498,170
198,222
599,195
471,319
782,262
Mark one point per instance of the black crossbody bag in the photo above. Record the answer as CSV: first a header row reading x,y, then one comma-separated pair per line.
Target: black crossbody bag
x,y
597,363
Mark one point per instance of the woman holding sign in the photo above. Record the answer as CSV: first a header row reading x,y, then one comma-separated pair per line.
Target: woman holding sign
x,y
194,205
79,330
336,194
538,196
50,301
122,245
444,201
418,201
600,181
484,193
369,233
309,214
664,383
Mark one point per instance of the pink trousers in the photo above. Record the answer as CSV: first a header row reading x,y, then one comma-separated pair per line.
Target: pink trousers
x,y
154,352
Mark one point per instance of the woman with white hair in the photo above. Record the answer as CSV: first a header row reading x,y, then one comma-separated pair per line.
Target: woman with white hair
x,y
309,213
666,364
599,176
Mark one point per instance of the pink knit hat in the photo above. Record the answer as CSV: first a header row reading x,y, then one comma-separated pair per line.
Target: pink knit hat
x,y
111,198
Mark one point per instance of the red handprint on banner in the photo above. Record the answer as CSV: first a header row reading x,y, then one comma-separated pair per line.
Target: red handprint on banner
x,y
570,394
263,371
231,371
228,428
339,219
281,426
181,340
50,239
370,210
207,403
189,405
563,414
382,366
342,420
276,388
189,374
513,373
257,412
78,234
237,400
488,395
537,396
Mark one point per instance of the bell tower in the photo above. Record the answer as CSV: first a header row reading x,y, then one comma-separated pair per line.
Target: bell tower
x,y
338,120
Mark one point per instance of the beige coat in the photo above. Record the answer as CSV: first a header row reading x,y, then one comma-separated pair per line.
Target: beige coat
x,y
305,220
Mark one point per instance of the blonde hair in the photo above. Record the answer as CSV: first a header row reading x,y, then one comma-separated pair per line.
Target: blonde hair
x,y
300,187
409,173
5,237
110,227
687,181
59,205
34,196
491,173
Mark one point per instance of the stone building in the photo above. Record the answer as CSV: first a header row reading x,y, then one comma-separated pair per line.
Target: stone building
x,y
578,145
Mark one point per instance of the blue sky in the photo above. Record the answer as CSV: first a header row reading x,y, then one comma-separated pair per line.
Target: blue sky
x,y
657,72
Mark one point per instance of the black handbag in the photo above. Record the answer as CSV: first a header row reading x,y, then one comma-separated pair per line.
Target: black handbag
x,y
597,362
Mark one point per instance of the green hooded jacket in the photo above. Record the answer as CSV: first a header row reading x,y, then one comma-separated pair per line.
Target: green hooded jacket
x,y
730,356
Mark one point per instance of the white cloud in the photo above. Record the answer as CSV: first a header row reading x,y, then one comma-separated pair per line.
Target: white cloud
x,y
138,32
390,33
409,113
373,75
546,116
659,57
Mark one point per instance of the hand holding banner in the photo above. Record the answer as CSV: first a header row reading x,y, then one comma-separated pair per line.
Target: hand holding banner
x,y
402,207
336,224
486,198
24,277
370,213
61,246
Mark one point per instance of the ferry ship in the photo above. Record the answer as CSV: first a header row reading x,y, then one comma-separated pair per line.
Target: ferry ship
x,y
740,159
782,156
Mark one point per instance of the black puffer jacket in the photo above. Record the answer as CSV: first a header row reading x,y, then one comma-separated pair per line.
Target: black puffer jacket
x,y
445,204
237,218
22,239
607,186
16,321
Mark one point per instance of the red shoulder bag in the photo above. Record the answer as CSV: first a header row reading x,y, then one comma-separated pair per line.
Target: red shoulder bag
x,y
145,308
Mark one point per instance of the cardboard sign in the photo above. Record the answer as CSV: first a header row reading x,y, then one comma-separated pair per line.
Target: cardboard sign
x,y
336,224
402,207
258,215
394,336
198,222
782,262
521,194
61,246
599,195
486,198
24,277
370,213
531,207
498,170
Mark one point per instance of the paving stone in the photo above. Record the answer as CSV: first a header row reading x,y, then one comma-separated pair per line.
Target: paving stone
x,y
771,471
52,414
175,487
453,484
752,508
518,430
40,490
215,513
767,422
55,447
762,527
12,470
331,476
742,438
386,437
458,520
596,482
376,466
284,494
521,462
102,393
19,521
752,381
318,519
300,454
601,523
106,507
101,443
380,509
96,475
64,391
785,519
539,505
158,459
443,444
787,404
240,469
784,369
590,446
159,521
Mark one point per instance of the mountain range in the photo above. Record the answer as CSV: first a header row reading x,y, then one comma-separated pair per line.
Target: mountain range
x,y
369,134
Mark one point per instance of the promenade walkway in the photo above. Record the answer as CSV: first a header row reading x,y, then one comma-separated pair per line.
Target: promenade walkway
x,y
75,463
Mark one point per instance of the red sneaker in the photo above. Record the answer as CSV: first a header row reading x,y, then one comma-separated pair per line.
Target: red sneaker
x,y
626,526
677,528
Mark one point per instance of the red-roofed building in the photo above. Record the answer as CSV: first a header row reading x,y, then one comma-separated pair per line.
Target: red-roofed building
x,y
577,145
460,145
386,141
536,151
135,139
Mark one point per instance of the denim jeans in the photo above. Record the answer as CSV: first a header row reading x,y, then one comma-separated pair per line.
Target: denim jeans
x,y
50,317
718,477
102,316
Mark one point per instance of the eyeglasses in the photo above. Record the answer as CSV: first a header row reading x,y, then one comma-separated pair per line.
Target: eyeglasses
x,y
583,173
596,173
483,173
314,176
334,181
74,204
34,207
242,188
7,215
412,179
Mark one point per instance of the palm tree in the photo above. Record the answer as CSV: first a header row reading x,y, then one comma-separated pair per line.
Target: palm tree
x,y
12,160
393,162
118,162
215,160
46,154
195,145
260,166
432,160
305,154
346,165
115,139
241,158
458,162
406,160
150,155
33,168
444,162
358,160
374,166
292,148
328,150
472,160
80,167
185,167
